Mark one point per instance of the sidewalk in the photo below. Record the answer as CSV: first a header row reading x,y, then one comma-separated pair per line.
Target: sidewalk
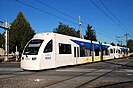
x,y
10,62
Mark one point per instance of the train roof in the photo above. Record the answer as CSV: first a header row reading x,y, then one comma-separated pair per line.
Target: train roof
x,y
75,39
43,35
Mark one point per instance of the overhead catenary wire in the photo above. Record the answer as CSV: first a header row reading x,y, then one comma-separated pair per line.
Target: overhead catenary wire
x,y
57,10
62,13
102,31
106,35
46,12
53,14
107,15
124,27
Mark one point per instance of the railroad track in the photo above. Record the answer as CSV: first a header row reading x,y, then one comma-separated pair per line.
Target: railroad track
x,y
78,77
85,76
62,82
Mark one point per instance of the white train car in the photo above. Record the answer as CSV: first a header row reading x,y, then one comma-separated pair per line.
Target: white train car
x,y
51,50
115,51
124,52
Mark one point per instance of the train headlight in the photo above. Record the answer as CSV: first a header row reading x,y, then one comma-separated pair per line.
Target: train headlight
x,y
34,58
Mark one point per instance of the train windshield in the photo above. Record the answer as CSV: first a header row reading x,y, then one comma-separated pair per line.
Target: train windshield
x,y
33,47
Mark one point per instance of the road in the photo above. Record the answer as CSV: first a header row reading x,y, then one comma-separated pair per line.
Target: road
x,y
107,74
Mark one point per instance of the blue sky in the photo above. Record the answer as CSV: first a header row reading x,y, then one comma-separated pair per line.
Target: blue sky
x,y
106,27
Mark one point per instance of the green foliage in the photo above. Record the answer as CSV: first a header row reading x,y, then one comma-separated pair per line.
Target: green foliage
x,y
130,45
90,34
118,45
66,30
112,44
1,40
20,33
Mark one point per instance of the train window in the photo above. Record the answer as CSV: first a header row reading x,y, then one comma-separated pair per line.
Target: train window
x,y
90,53
74,51
96,52
119,51
106,52
127,52
77,51
87,52
33,47
82,51
111,51
114,51
49,47
64,48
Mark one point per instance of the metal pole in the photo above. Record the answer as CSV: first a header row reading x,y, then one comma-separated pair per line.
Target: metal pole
x,y
101,49
126,38
92,50
6,42
16,53
80,26
6,39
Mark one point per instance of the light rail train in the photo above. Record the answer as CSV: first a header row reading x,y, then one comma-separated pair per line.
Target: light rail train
x,y
52,50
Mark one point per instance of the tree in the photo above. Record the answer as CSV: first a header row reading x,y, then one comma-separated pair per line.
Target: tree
x,y
105,42
118,45
78,33
90,34
66,30
1,40
130,45
112,44
20,33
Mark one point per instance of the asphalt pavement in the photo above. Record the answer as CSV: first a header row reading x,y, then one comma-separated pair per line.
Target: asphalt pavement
x,y
117,73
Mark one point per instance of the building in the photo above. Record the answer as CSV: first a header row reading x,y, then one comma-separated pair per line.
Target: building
x,y
1,51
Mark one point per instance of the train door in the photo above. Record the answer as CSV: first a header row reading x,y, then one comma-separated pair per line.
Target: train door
x,y
111,53
47,57
117,53
76,54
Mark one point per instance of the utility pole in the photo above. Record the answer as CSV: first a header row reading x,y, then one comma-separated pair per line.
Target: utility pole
x,y
119,40
80,26
116,39
126,38
101,51
92,49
